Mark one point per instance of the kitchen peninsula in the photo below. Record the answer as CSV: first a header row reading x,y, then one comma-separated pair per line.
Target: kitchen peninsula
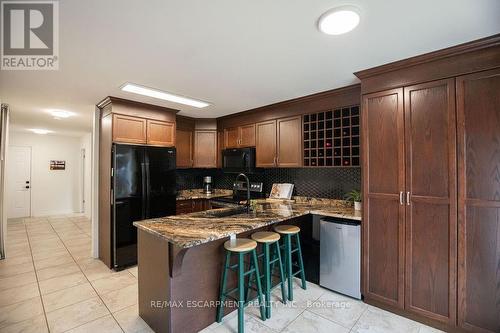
x,y
180,257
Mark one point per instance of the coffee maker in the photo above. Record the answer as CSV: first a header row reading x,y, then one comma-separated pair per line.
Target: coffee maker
x,y
207,185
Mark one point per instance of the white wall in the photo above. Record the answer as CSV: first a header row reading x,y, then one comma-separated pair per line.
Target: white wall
x,y
86,143
57,191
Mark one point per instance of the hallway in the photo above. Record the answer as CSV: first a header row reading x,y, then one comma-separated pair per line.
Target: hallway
x,y
50,281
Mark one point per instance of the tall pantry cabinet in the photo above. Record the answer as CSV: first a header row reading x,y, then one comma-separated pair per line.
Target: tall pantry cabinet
x,y
431,183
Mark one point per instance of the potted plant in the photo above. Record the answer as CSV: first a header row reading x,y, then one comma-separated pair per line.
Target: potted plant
x,y
354,196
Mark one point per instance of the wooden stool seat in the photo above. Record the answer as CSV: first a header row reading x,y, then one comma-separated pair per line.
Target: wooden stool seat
x,y
240,245
265,237
287,229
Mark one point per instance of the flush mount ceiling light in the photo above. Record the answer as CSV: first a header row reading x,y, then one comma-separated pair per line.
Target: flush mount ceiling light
x,y
339,20
145,91
58,114
40,131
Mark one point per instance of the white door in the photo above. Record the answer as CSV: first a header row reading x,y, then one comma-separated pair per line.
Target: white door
x,y
19,182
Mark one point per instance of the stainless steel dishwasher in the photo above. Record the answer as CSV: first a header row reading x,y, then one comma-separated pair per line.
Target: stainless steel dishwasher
x,y
340,256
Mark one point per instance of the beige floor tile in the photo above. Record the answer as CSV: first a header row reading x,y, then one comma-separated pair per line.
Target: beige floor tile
x,y
95,269
18,312
17,253
338,308
134,271
252,325
18,294
114,282
16,269
36,324
82,255
375,320
282,315
61,282
17,280
39,255
55,271
15,261
54,261
309,322
68,296
75,315
121,298
130,321
102,325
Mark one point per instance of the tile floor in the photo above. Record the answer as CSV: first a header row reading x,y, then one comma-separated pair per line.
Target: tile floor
x,y
50,283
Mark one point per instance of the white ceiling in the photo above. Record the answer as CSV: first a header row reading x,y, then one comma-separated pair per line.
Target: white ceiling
x,y
236,54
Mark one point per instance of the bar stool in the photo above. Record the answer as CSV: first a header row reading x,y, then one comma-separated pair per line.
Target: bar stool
x,y
270,240
241,247
288,231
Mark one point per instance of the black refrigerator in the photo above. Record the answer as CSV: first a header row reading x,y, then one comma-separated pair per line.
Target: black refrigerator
x,y
143,187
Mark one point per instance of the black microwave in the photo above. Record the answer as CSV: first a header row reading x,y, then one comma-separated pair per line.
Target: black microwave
x,y
238,160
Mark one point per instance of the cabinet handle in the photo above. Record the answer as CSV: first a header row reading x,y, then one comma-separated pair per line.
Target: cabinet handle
x,y
401,200
408,198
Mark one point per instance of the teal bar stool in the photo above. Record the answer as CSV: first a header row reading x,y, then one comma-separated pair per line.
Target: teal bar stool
x,y
241,247
270,240
289,231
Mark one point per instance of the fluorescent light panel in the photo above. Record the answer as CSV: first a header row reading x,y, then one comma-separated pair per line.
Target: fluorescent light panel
x,y
40,130
141,90
61,113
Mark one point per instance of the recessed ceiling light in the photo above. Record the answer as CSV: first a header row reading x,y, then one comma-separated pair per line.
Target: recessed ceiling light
x,y
40,130
141,90
339,20
58,114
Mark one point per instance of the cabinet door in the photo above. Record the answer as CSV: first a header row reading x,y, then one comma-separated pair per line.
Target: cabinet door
x,y
129,129
205,149
231,137
161,133
478,111
383,185
265,144
431,201
184,146
289,141
247,136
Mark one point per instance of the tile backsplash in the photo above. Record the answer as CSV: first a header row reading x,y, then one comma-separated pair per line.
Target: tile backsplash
x,y
313,182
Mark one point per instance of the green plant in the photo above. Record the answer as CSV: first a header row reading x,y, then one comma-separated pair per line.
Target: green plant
x,y
354,195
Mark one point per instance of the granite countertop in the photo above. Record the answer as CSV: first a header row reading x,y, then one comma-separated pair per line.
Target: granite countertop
x,y
193,229
198,194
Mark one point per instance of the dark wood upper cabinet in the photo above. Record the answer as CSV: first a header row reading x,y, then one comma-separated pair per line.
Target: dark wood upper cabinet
x,y
205,149
266,144
384,211
160,133
129,129
431,200
478,110
184,147
289,142
241,136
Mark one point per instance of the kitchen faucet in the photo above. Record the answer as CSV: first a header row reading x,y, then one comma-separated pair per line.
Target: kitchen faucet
x,y
248,188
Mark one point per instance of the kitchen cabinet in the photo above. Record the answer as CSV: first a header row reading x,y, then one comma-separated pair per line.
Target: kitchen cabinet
x,y
205,149
184,147
241,136
478,112
160,133
266,144
279,143
191,206
289,142
127,129
430,187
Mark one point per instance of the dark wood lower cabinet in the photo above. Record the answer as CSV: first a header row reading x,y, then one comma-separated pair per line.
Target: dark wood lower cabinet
x,y
191,206
478,106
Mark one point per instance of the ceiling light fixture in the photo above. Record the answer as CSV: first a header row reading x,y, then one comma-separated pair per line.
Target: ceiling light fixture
x,y
58,114
339,20
141,90
40,131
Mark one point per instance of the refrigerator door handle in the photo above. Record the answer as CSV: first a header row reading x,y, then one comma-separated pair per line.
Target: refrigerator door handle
x,y
147,190
144,199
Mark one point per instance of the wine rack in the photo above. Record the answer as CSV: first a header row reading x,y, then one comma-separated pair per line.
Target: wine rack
x,y
332,138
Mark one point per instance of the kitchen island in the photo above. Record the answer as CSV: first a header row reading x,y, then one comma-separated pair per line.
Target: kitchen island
x,y
180,257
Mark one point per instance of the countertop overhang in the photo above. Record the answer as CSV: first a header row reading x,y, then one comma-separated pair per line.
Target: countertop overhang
x,y
193,229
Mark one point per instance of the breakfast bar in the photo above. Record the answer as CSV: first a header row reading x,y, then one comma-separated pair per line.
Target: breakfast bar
x,y
180,257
